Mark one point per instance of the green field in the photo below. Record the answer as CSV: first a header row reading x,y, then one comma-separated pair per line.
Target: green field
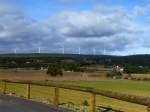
x,y
141,88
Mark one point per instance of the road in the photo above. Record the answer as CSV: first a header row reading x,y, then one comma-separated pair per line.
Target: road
x,y
15,104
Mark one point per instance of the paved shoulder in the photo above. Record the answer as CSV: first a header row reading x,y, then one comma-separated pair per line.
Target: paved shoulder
x,y
13,104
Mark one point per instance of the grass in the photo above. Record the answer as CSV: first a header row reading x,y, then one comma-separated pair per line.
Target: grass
x,y
141,76
141,88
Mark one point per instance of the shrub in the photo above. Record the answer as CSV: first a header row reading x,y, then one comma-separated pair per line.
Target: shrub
x,y
71,67
114,73
135,69
85,103
54,70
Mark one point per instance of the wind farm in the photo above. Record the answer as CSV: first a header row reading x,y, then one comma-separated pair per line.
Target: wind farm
x,y
74,56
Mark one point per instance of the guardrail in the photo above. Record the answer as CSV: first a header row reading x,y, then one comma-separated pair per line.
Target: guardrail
x,y
120,96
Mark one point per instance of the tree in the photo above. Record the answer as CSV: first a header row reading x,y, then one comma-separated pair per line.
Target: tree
x,y
54,70
71,67
85,103
114,73
136,69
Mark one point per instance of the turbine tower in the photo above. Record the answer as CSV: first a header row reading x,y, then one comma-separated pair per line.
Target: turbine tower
x,y
15,51
79,50
104,51
134,53
39,50
63,50
94,51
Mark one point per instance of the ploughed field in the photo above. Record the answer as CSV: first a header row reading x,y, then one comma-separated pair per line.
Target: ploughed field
x,y
140,88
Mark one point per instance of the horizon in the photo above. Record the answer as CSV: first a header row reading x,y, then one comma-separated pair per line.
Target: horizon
x,y
95,27
36,53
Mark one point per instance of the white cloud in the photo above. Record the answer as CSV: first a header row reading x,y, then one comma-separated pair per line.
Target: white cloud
x,y
96,28
140,10
89,24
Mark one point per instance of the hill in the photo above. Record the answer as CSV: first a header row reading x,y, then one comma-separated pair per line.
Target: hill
x,y
42,60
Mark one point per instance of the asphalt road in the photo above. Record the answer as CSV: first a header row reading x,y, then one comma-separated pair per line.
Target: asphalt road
x,y
14,104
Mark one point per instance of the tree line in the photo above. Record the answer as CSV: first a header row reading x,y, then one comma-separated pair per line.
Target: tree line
x,y
58,68
43,60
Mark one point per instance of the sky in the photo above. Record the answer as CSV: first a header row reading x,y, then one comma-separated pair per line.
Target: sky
x,y
115,27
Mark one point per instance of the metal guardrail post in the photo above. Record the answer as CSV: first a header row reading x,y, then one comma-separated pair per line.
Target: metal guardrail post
x,y
28,91
93,103
56,97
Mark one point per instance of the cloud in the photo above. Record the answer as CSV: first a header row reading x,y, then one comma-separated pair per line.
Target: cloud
x,y
140,10
98,28
91,24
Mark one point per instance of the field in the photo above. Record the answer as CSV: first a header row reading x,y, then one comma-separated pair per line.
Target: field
x,y
141,76
23,74
141,88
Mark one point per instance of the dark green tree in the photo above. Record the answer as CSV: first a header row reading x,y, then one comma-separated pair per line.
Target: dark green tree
x,y
54,70
115,73
136,69
85,103
71,67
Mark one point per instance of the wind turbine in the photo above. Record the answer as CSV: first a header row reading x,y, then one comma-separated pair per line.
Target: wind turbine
x,y
134,53
94,51
39,50
104,51
15,51
63,50
79,50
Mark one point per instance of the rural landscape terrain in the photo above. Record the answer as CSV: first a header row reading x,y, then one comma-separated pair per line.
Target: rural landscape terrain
x,y
74,55
111,73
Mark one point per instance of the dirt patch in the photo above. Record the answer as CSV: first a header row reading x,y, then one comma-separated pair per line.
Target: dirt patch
x,y
15,74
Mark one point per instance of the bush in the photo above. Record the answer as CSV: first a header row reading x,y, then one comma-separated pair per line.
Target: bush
x,y
135,69
85,103
114,73
54,70
71,67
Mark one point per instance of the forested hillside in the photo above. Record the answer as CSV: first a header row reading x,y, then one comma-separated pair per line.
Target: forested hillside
x,y
43,60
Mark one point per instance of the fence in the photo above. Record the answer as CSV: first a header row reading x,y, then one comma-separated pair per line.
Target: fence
x,y
120,96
